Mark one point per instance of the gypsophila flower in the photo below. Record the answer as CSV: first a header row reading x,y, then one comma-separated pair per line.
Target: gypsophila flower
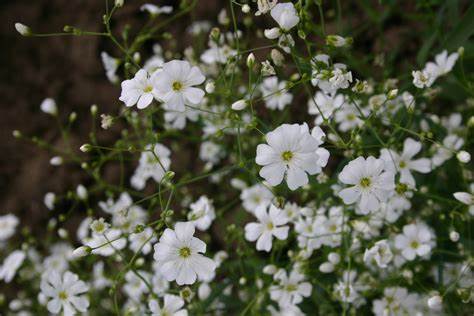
x,y
179,254
11,264
140,90
65,292
271,224
380,253
8,225
172,306
290,289
202,213
416,240
404,162
175,84
371,183
275,93
285,15
290,152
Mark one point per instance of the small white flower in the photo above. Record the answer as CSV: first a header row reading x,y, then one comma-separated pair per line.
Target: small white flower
x,y
404,162
435,302
142,241
290,289
422,79
255,196
111,65
380,253
64,293
267,69
179,255
264,6
56,161
416,240
49,199
11,264
275,94
324,105
285,15
371,183
291,151
81,192
172,306
270,224
8,225
202,213
23,29
151,167
443,64
156,10
140,90
175,84
239,105
466,198
49,106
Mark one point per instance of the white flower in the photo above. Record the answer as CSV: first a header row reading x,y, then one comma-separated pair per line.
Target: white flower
x,y
175,84
140,90
49,199
416,240
8,225
202,213
23,29
179,255
340,78
404,162
451,144
81,192
107,243
337,41
463,197
435,302
291,151
64,293
422,79
285,15
11,264
172,306
151,167
270,224
255,196
264,6
396,301
443,64
111,65
275,93
371,183
49,106
177,120
348,117
210,152
156,10
142,241
290,289
324,105
267,69
239,105
56,161
380,253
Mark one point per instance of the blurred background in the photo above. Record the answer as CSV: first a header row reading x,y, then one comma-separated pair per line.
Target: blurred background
x,y
69,69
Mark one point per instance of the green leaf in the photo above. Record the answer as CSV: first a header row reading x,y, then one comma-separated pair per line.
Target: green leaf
x,y
461,31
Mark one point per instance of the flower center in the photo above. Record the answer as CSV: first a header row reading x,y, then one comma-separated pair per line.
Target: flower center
x,y
62,295
401,188
148,89
414,244
365,182
270,226
291,288
402,164
287,155
184,252
177,86
351,117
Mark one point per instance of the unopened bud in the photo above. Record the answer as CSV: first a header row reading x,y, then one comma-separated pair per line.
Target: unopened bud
x,y
250,60
463,156
81,252
23,29
239,105
85,148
